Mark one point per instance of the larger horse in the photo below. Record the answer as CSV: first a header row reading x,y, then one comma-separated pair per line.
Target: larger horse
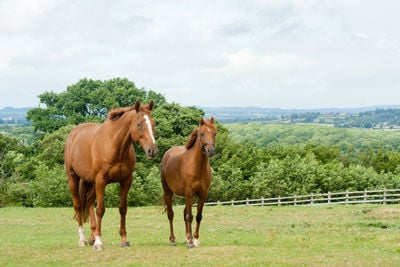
x,y
185,171
96,155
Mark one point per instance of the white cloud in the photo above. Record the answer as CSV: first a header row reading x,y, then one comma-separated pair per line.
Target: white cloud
x,y
246,60
267,53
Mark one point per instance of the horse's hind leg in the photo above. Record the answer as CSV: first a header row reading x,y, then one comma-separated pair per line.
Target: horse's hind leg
x,y
170,212
125,185
73,182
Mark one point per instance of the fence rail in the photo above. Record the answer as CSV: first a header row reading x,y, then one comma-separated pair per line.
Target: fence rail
x,y
384,196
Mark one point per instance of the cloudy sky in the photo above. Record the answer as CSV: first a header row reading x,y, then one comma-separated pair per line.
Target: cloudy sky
x,y
267,53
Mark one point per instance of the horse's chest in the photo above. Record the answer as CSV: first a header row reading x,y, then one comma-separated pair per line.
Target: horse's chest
x,y
199,183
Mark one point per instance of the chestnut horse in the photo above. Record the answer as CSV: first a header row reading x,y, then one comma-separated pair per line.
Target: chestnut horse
x,y
185,171
96,155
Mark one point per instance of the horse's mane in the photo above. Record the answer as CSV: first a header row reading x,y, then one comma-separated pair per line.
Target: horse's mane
x,y
192,139
116,113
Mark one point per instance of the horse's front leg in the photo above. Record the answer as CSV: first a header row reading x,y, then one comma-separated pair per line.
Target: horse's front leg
x,y
100,210
124,189
188,217
93,225
199,216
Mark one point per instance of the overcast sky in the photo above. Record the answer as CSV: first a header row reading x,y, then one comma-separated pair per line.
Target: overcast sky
x,y
278,54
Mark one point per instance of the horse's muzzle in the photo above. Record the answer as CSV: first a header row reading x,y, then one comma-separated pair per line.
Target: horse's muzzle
x,y
209,150
151,152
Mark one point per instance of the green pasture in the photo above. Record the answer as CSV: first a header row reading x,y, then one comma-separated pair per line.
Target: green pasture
x,y
352,235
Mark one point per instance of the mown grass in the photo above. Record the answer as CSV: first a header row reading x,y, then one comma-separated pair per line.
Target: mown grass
x,y
354,235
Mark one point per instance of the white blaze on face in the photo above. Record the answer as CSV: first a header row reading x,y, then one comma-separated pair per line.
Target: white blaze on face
x,y
148,123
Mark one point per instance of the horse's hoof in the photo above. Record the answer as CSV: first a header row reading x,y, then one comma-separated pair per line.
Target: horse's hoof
x,y
196,242
173,244
90,241
97,247
125,244
191,245
82,243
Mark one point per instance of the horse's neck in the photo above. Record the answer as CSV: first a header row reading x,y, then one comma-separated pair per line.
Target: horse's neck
x,y
119,134
199,155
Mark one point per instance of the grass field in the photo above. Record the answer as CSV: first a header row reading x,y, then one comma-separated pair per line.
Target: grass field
x,y
354,235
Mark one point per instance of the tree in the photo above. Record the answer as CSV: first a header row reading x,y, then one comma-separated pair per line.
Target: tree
x,y
87,101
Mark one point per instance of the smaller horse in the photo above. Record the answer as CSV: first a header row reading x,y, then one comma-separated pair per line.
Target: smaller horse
x,y
96,155
185,171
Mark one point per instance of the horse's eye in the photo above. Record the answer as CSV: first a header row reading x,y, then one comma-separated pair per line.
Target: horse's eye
x,y
201,134
139,125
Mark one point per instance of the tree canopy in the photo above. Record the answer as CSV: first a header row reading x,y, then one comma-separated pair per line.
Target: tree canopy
x,y
87,100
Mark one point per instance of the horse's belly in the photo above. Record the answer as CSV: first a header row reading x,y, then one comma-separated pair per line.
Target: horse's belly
x,y
119,172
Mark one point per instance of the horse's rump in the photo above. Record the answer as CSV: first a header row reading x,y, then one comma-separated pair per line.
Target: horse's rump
x,y
78,150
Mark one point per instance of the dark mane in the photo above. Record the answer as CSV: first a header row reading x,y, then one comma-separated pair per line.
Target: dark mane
x,y
192,139
116,113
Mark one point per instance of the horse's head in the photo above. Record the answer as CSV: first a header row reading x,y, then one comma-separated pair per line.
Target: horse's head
x,y
142,129
206,134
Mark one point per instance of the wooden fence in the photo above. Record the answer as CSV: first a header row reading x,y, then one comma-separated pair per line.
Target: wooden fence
x,y
385,196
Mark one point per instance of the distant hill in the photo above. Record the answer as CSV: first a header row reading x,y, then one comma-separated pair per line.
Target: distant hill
x,y
10,115
339,117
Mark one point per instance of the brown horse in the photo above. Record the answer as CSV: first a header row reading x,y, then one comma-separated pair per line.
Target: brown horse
x,y
185,171
96,155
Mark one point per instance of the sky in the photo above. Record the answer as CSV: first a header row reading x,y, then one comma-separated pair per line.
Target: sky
x,y
266,53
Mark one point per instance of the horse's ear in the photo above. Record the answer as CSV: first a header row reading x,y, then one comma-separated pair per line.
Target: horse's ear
x,y
151,105
137,105
201,121
212,119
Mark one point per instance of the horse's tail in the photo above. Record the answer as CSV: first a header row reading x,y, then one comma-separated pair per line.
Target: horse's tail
x,y
166,198
164,186
87,196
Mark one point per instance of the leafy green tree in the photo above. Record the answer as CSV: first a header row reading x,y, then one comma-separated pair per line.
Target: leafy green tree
x,y
87,100
174,125
50,188
51,148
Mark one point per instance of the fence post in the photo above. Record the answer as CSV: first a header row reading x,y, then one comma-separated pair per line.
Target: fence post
x,y
329,197
232,202
312,199
365,195
247,201
347,196
279,200
295,200
384,196
262,201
